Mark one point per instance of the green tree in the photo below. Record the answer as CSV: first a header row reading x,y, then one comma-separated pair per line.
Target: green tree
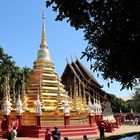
x,y
26,73
118,104
16,75
111,28
136,100
6,66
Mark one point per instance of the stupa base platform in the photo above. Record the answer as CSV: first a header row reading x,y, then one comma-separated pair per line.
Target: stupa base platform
x,y
69,131
3,134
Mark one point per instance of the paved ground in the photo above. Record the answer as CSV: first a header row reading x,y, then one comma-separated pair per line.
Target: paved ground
x,y
124,129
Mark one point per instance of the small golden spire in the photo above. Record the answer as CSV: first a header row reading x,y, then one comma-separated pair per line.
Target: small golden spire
x,y
43,38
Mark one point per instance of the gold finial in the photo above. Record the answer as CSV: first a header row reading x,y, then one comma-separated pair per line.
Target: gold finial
x,y
43,38
43,14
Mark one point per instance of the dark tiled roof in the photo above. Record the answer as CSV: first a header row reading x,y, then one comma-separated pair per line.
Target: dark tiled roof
x,y
79,71
69,66
88,73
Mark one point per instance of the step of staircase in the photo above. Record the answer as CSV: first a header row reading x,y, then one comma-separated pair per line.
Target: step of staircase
x,y
69,131
3,134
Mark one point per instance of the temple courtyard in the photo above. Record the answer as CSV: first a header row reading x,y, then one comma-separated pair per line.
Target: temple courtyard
x,y
126,128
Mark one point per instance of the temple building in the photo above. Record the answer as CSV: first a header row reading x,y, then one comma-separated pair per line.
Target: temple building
x,y
74,103
80,83
76,97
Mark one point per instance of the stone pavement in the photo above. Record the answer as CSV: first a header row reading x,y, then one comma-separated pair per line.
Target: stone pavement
x,y
124,129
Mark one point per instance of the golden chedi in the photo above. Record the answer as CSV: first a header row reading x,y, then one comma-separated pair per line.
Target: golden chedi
x,y
44,81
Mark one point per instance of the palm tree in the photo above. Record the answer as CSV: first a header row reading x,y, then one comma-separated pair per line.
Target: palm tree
x,y
17,76
6,64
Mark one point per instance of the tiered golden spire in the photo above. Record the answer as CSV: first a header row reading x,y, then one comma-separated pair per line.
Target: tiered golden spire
x,y
43,53
43,38
43,77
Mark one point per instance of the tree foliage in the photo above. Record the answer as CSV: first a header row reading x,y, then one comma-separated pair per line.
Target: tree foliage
x,y
112,30
9,69
136,100
119,105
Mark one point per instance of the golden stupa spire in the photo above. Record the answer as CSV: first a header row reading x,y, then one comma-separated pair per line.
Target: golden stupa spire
x,y
43,53
43,38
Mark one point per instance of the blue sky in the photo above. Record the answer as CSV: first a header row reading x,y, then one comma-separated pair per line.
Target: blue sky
x,y
20,36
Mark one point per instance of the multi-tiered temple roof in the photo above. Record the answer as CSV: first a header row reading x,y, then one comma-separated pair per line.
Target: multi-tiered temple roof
x,y
78,79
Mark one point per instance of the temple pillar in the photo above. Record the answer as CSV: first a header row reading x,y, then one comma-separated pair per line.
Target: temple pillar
x,y
91,112
98,117
91,119
6,113
66,113
66,119
19,110
38,112
19,118
7,121
38,120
